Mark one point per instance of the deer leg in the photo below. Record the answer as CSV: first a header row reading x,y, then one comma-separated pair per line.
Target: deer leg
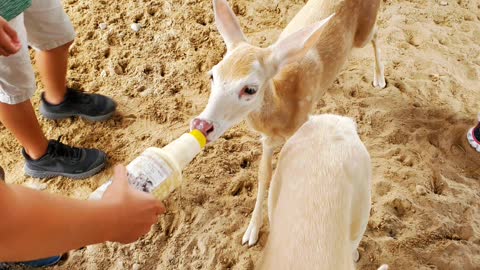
x,y
264,176
272,197
378,72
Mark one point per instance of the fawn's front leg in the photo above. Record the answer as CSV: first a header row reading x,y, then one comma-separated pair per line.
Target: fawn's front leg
x,y
264,176
378,71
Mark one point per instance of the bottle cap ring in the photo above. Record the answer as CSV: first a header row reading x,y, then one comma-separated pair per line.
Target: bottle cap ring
x,y
198,135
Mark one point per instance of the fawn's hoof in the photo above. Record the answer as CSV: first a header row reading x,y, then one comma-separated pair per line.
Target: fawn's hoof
x,y
379,83
356,256
251,234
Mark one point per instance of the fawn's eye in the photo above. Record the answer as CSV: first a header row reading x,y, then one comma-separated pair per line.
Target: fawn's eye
x,y
211,77
248,90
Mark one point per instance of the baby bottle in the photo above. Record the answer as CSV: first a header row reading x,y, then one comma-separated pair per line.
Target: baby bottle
x,y
159,170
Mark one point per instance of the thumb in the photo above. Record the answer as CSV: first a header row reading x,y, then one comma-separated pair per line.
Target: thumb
x,y
120,176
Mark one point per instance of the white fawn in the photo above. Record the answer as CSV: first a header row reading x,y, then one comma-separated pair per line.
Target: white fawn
x,y
275,88
319,199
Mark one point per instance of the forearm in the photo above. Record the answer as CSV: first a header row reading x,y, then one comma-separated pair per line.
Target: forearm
x,y
36,224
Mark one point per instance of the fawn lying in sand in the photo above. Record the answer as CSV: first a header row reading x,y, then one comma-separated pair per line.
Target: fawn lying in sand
x,y
319,199
275,88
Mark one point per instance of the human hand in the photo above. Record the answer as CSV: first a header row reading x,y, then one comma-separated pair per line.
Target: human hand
x,y
136,211
9,42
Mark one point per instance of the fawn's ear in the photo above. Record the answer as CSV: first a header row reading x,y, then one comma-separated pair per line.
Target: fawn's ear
x,y
294,47
227,24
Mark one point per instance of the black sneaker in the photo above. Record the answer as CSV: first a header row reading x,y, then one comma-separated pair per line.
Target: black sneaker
x,y
92,107
473,135
64,160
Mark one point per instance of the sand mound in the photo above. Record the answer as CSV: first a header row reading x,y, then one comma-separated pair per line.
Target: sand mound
x,y
426,190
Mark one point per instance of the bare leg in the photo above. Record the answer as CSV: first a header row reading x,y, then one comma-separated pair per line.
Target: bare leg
x,y
378,72
52,65
264,176
20,119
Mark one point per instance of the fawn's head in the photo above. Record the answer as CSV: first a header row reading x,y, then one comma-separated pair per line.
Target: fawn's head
x,y
240,79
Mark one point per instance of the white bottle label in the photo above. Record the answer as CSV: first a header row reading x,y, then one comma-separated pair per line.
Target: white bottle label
x,y
147,172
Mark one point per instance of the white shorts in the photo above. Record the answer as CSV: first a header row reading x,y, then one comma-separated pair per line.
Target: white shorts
x,y
43,26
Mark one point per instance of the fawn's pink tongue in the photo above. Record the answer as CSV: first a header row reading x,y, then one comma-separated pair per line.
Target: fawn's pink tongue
x,y
202,125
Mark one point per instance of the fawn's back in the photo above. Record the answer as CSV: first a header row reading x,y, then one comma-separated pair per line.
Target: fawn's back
x,y
322,188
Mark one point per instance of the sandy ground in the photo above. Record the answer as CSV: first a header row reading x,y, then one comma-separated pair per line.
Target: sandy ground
x,y
426,190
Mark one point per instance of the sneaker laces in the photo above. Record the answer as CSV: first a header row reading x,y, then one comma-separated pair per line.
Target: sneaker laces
x,y
58,149
79,96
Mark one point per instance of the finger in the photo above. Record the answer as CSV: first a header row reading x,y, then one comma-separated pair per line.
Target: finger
x,y
160,208
11,33
139,233
119,175
7,44
149,228
10,42
128,240
156,205
3,52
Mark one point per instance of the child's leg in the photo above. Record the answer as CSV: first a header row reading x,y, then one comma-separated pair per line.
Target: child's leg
x,y
51,33
20,119
17,85
43,158
52,66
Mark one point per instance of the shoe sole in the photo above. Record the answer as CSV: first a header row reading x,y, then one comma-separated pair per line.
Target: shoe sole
x,y
58,116
49,174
